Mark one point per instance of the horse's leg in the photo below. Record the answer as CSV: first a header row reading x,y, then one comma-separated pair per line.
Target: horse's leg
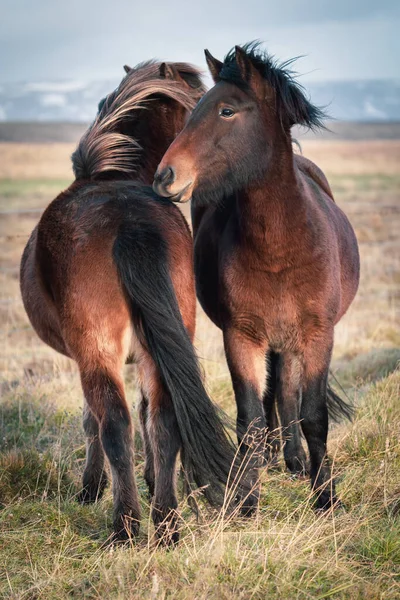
x,y
163,434
104,391
94,478
148,450
288,395
271,417
247,365
314,419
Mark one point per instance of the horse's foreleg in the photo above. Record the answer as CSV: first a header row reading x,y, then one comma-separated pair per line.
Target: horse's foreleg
x,y
247,365
314,418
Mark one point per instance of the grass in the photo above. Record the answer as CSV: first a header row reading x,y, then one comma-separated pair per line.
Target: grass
x,y
25,194
51,547
54,546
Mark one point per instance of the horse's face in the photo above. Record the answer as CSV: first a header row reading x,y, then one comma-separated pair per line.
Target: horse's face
x,y
224,146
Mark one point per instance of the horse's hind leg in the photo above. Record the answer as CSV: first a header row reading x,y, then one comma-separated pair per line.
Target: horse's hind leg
x,y
271,417
163,434
94,478
314,420
104,391
288,397
148,450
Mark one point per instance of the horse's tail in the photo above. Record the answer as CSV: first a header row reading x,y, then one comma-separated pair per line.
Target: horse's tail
x,y
337,407
141,257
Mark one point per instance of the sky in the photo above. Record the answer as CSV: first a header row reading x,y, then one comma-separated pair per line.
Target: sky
x,y
88,40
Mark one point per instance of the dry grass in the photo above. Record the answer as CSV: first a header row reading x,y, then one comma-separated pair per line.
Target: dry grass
x,y
35,161
51,547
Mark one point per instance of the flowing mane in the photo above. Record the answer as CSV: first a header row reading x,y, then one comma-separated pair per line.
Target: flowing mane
x,y
292,104
104,147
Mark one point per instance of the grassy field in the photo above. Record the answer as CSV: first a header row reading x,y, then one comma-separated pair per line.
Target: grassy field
x,y
51,547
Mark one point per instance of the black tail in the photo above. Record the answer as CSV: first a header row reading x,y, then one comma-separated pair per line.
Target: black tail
x,y
337,407
141,257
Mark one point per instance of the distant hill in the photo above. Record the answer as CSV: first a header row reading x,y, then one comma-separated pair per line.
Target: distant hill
x,y
367,101
73,101
53,132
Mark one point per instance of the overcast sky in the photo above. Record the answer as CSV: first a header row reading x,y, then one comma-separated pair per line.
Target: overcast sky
x,y
92,39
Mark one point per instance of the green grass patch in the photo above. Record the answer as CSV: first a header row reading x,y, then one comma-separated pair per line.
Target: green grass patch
x,y
19,194
30,421
27,474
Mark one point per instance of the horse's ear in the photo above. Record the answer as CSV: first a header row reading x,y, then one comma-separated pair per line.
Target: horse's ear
x,y
249,73
168,72
214,65
127,68
177,72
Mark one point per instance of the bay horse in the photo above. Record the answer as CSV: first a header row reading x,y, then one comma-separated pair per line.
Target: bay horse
x,y
107,279
276,260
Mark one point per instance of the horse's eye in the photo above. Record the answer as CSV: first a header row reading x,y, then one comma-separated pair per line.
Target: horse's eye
x,y
226,112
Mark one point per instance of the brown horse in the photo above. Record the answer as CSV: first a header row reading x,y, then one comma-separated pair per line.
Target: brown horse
x,y
276,260
107,278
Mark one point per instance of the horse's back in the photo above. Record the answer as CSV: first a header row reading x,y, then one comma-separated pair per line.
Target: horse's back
x,y
312,170
339,238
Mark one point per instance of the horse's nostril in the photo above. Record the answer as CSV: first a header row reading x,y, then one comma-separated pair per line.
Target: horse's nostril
x,y
162,179
166,177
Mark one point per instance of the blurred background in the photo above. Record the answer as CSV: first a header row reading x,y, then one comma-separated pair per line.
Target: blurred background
x,y
58,59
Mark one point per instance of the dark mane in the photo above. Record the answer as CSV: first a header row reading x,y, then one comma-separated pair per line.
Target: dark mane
x,y
106,146
292,104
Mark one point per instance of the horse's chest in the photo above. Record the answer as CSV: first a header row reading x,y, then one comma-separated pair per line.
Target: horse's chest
x,y
266,302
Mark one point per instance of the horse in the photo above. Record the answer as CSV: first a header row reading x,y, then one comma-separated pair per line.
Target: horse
x,y
107,279
276,260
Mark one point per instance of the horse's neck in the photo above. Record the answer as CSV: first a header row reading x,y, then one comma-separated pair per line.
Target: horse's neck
x,y
155,137
271,211
148,167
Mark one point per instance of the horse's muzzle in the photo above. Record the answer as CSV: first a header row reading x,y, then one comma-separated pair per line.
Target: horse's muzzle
x,y
163,179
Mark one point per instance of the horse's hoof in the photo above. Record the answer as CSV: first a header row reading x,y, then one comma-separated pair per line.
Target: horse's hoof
x,y
248,506
326,502
92,492
124,535
297,465
166,527
272,461
167,537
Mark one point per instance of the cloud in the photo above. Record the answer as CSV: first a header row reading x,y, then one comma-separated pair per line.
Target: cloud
x,y
58,100
91,39
54,86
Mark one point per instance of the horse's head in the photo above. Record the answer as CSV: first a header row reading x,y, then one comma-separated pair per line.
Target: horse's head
x,y
228,141
137,122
